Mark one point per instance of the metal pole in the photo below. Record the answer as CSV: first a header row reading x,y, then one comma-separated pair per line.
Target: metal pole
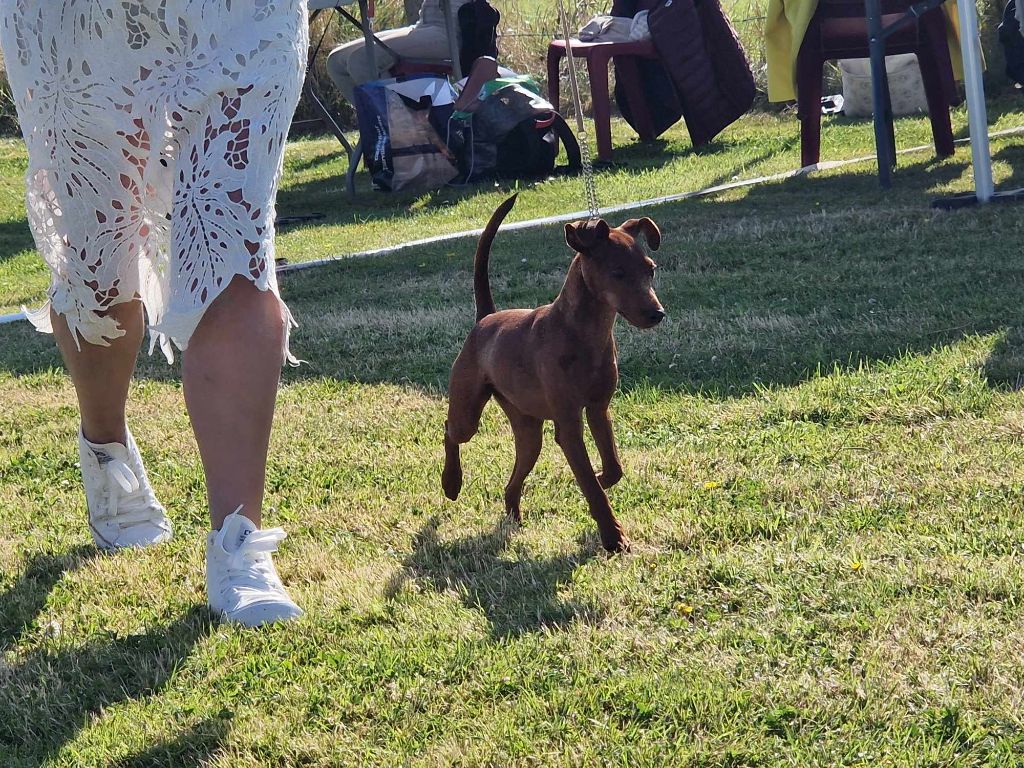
x,y
453,39
970,49
364,18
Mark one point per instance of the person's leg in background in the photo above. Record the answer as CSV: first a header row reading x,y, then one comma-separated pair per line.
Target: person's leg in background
x,y
348,64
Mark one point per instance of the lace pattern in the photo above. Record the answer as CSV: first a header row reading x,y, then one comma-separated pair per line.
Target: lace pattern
x,y
156,133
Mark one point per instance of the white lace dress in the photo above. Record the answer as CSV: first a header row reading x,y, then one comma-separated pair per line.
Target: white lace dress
x,y
155,131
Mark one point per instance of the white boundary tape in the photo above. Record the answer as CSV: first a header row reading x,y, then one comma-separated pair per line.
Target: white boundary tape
x,y
532,223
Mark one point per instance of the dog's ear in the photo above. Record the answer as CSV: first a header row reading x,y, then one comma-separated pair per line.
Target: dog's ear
x,y
584,235
647,228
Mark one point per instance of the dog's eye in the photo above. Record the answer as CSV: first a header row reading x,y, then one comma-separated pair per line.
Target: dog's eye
x,y
618,274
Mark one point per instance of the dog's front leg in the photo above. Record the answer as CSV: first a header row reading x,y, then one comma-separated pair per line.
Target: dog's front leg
x,y
569,436
601,428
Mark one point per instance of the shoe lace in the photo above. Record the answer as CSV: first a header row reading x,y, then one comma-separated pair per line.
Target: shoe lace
x,y
129,503
250,563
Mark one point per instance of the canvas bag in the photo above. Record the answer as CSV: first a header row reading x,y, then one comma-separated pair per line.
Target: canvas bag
x,y
401,124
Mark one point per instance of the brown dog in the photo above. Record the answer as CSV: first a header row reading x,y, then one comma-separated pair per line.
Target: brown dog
x,y
556,361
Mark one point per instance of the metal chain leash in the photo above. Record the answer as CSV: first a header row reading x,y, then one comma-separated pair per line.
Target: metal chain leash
x,y
588,176
589,186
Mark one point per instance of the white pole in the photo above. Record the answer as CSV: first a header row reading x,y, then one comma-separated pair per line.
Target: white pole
x,y
970,49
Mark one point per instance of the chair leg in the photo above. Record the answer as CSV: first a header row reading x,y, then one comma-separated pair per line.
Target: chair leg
x,y
885,137
554,56
354,156
627,70
597,65
809,72
325,113
938,103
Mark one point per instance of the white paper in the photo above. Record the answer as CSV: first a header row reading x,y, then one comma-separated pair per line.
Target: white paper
x,y
438,89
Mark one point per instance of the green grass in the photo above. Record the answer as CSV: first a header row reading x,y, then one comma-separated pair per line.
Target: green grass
x,y
824,453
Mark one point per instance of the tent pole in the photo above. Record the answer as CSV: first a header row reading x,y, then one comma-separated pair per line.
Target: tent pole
x,y
977,118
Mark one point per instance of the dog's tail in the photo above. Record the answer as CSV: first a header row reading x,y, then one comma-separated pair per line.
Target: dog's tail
x,y
481,284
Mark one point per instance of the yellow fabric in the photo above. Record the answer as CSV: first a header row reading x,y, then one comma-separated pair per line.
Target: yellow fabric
x,y
784,31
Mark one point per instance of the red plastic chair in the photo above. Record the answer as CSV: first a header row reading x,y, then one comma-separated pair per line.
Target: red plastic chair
x,y
598,56
839,30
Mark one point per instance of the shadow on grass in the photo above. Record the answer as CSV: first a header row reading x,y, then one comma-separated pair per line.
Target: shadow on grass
x,y
328,197
49,694
24,600
15,238
516,595
193,748
1004,367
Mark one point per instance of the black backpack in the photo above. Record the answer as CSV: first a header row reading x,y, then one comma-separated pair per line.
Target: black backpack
x,y
1012,42
529,150
514,134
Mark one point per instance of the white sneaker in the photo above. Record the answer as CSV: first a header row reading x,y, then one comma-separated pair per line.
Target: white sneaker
x,y
242,584
123,510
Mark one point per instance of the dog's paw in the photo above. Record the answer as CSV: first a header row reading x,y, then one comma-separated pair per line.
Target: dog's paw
x,y
617,544
609,477
451,482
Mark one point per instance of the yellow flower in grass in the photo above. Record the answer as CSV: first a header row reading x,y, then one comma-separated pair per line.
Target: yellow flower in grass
x,y
710,485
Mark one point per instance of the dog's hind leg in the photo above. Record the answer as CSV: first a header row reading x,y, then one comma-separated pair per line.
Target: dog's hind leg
x,y
468,393
529,434
569,436
601,428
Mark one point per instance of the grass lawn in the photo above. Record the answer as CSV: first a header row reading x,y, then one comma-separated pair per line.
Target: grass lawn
x,y
824,453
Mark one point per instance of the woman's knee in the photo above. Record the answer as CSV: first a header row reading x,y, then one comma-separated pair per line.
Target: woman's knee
x,y
338,59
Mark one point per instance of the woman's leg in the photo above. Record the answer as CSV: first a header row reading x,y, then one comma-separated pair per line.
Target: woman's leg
x,y
418,42
349,66
337,67
230,371
123,510
101,375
